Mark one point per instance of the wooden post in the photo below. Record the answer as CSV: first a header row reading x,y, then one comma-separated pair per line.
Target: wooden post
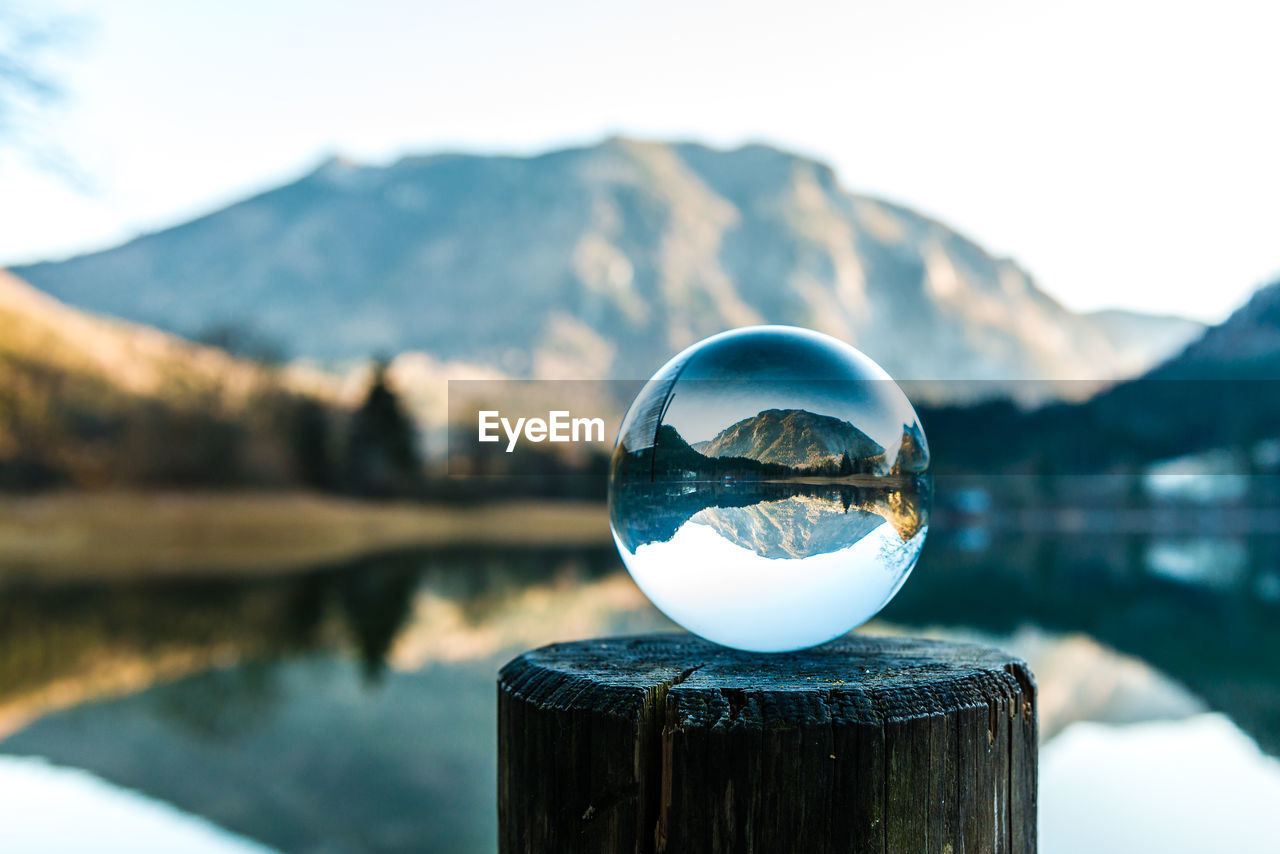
x,y
668,743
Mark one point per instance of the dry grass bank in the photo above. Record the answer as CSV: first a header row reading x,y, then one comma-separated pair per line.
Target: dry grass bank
x,y
120,535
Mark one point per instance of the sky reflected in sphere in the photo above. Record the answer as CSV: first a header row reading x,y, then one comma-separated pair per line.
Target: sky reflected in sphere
x,y
770,488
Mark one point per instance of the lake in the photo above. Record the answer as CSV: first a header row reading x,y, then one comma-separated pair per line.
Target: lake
x,y
351,707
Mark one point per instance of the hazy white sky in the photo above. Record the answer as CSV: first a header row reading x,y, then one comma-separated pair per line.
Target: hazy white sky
x,y
1123,153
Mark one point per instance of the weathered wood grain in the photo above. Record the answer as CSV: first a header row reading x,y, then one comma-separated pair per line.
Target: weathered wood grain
x,y
668,743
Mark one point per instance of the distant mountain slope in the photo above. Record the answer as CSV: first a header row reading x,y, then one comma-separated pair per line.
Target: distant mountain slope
x,y
791,437
90,401
1246,345
1136,336
598,261
1220,392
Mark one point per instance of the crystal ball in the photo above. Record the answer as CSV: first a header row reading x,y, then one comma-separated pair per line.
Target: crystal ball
x,y
769,489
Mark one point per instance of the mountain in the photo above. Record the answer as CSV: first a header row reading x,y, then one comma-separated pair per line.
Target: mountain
x,y
598,261
90,401
1222,392
793,437
912,456
1136,336
1244,346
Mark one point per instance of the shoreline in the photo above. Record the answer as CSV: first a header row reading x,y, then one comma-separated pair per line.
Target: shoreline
x,y
131,535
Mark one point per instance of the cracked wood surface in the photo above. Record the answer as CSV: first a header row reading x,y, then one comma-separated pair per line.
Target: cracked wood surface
x,y
668,743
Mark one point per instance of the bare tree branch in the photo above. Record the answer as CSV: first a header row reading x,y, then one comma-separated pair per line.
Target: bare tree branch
x,y
30,85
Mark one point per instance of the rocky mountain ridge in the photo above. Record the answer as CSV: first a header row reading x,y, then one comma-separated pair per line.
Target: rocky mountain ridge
x,y
792,437
599,261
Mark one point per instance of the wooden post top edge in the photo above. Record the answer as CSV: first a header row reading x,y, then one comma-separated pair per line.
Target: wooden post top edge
x,y
902,675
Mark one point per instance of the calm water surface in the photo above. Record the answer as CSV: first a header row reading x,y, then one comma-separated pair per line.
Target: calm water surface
x,y
351,708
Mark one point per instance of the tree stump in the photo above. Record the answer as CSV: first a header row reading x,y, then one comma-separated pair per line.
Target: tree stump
x,y
669,743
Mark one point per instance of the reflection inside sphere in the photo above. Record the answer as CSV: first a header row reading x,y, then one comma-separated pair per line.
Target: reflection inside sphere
x,y
770,489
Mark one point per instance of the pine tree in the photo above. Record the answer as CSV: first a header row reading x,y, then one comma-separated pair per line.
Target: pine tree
x,y
382,456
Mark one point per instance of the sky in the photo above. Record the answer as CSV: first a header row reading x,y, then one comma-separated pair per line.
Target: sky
x,y
1123,153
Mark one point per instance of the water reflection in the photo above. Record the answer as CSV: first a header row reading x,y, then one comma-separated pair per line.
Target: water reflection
x,y
63,644
775,520
1208,789
1221,641
351,708
771,565
37,798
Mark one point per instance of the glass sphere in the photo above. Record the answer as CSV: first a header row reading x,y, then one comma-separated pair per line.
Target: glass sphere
x,y
769,489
